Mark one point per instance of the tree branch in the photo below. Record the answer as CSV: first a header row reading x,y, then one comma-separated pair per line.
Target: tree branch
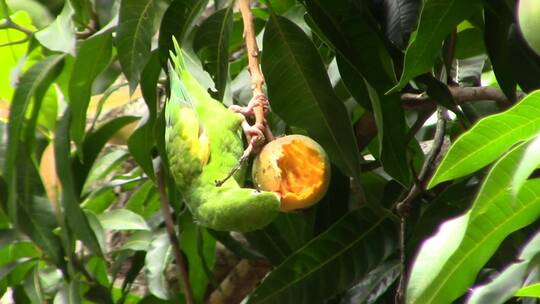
x,y
257,78
240,281
461,95
404,206
180,262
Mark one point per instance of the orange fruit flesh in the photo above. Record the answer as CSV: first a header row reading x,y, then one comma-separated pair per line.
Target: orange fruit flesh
x,y
302,175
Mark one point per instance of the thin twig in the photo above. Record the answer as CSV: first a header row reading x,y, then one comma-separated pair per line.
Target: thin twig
x,y
461,95
169,223
9,24
404,206
239,165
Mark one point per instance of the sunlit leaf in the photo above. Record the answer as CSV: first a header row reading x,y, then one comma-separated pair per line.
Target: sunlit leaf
x,y
489,138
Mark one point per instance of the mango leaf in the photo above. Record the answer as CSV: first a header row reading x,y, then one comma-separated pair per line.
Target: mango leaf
x,y
389,119
524,62
75,217
498,18
199,262
528,163
503,287
134,37
93,144
60,34
301,93
212,43
122,219
32,286
157,258
373,285
437,19
141,142
92,58
448,262
178,21
399,19
34,82
345,253
287,233
40,222
82,10
489,138
529,291
138,241
362,54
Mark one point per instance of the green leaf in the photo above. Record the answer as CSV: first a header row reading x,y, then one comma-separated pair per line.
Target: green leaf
x,y
498,18
92,58
104,166
134,37
400,20
392,134
32,286
199,262
524,62
60,34
469,43
449,262
437,19
178,21
34,82
527,164
75,217
529,291
93,144
301,93
157,258
489,138
499,180
39,222
287,233
212,43
138,241
346,252
141,142
373,285
333,205
145,200
6,269
83,10
122,219
503,287
362,54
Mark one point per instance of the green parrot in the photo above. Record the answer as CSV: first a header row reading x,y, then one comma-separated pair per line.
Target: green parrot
x,y
204,142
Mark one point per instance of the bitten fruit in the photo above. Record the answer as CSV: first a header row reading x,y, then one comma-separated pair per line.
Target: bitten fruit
x,y
529,22
296,167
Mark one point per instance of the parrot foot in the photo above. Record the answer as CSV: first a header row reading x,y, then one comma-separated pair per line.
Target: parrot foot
x,y
248,111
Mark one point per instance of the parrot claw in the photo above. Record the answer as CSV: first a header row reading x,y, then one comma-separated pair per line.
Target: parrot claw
x,y
247,111
253,133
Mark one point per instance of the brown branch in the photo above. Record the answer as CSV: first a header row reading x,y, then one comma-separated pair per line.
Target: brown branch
x,y
169,223
460,94
257,78
404,206
240,281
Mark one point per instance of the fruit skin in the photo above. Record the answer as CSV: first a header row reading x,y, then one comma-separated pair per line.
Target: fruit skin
x,y
268,176
529,22
203,141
